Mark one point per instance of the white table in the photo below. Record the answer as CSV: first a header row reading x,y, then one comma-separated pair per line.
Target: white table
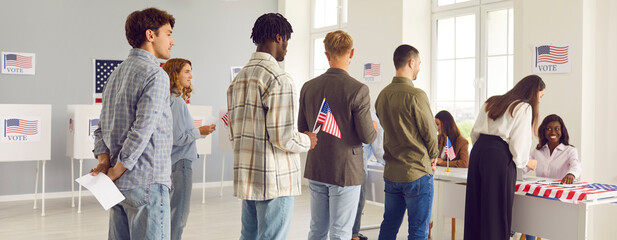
x,y
530,215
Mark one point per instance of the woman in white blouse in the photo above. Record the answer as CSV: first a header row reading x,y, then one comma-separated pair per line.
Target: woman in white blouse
x,y
557,159
502,139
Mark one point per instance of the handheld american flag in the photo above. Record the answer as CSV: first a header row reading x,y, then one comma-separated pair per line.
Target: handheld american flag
x,y
450,150
225,119
326,118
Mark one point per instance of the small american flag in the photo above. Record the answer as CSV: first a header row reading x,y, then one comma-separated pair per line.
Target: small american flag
x,y
93,125
71,127
16,60
450,150
102,70
21,126
225,119
197,123
326,118
372,69
552,54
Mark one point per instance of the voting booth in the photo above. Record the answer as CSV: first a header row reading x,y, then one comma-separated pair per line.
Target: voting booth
x,y
82,121
202,115
26,136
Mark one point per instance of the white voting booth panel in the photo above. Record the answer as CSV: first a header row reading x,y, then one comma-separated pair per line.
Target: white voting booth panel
x,y
203,115
26,136
82,120
80,137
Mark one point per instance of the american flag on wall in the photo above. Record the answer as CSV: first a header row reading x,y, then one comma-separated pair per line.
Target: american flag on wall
x,y
326,118
579,192
552,54
102,70
17,60
21,126
372,69
93,124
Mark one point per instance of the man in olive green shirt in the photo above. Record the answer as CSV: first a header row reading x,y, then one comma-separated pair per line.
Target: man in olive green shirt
x,y
410,144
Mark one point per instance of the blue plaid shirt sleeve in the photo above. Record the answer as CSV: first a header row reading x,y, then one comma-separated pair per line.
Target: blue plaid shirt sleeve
x,y
154,98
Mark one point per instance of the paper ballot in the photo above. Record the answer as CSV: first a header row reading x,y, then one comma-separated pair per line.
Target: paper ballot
x,y
103,189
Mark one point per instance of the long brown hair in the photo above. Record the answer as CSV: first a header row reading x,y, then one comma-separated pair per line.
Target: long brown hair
x,y
565,137
448,126
525,91
173,67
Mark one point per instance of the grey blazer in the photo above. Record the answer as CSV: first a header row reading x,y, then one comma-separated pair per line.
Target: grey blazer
x,y
337,161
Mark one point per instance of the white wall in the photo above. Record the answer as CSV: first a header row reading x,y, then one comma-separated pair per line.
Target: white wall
x,y
585,97
605,170
66,35
378,27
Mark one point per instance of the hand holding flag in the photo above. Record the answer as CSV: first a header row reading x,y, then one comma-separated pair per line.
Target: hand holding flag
x,y
326,118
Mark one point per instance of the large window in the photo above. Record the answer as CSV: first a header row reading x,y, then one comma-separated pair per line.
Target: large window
x,y
327,16
472,57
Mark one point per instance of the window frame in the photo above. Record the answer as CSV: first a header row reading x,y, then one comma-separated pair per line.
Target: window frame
x,y
316,33
434,59
483,82
480,8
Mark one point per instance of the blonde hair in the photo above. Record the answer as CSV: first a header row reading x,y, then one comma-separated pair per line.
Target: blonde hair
x,y
173,67
338,43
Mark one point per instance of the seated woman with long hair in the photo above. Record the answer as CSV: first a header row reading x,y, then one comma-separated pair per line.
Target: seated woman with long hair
x,y
556,157
447,129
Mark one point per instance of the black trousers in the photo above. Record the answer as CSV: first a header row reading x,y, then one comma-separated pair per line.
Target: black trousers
x,y
490,190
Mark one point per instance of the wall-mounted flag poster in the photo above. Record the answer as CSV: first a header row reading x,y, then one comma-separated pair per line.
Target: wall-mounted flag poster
x,y
372,72
21,129
18,63
551,58
102,70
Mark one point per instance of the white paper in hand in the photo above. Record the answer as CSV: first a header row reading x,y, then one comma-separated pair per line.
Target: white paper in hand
x,y
103,189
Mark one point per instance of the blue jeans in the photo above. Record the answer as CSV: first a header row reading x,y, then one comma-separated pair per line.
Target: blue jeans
x,y
266,220
355,231
333,209
143,214
182,186
417,198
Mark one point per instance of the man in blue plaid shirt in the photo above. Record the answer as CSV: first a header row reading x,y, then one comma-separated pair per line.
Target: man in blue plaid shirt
x,y
134,139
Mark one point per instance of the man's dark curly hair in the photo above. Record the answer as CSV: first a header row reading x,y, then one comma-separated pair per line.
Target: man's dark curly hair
x,y
268,25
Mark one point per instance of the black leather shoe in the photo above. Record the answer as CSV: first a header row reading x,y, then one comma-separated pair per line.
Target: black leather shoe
x,y
362,237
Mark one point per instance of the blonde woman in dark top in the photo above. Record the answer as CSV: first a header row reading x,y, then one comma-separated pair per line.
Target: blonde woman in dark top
x,y
447,129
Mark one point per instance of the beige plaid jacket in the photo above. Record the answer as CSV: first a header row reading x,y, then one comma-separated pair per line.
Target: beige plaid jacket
x,y
266,143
